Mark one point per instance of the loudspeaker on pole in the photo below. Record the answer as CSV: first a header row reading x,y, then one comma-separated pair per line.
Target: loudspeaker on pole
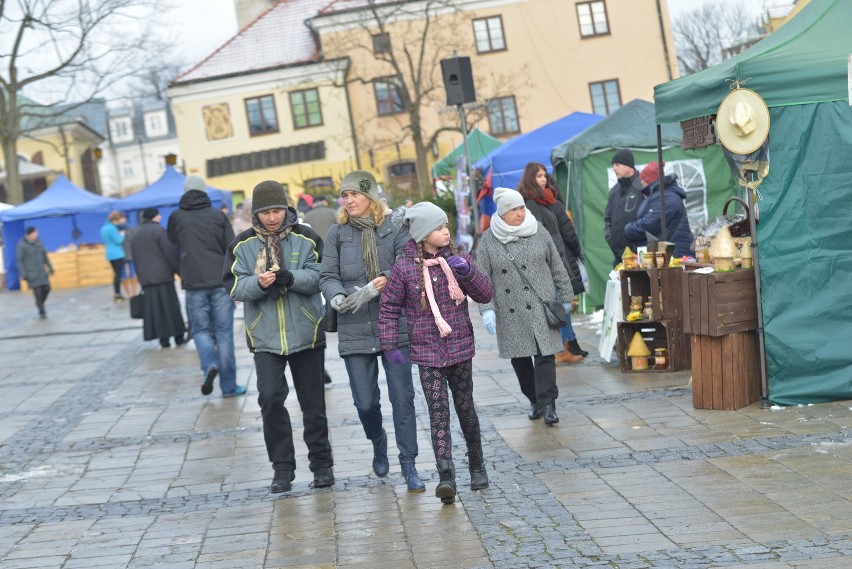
x,y
458,80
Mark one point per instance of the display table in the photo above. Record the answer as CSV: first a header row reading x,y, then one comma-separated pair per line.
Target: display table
x,y
720,316
76,269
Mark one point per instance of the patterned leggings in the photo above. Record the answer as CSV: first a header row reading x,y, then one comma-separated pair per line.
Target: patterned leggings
x,y
459,377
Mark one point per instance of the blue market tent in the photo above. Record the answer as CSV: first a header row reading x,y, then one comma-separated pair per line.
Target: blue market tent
x,y
165,195
63,214
506,163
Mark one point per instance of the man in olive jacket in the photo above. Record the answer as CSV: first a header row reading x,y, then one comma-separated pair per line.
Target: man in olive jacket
x,y
34,267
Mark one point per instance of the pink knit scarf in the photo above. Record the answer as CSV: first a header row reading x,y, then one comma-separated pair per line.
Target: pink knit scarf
x,y
455,292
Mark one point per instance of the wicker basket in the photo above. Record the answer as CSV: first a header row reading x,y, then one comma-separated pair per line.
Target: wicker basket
x,y
739,228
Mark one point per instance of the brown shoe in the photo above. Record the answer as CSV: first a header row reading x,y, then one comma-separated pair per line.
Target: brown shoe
x,y
567,357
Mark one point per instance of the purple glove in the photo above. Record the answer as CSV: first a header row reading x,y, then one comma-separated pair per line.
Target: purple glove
x,y
394,356
459,264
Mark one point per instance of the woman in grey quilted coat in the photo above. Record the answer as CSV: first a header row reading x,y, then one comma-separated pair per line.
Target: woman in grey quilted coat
x,y
516,243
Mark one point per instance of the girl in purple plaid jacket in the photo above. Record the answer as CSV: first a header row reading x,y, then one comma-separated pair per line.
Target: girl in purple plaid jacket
x,y
430,281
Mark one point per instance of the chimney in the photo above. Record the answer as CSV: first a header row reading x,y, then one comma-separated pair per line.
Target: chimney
x,y
249,10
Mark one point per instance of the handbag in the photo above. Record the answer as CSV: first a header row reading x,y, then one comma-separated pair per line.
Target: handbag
x,y
329,319
554,311
137,306
739,228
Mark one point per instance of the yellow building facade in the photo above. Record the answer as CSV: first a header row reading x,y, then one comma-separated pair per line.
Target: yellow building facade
x,y
69,149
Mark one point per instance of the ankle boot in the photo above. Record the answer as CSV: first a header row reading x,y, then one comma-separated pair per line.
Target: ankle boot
x,y
380,455
573,347
535,411
412,479
476,465
446,489
550,417
567,357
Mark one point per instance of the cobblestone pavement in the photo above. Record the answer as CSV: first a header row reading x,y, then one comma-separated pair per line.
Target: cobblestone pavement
x,y
111,457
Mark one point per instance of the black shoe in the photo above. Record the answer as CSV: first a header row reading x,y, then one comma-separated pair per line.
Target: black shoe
x,y
446,488
476,465
180,340
327,377
323,478
207,386
535,412
573,347
550,417
282,481
381,466
42,315
165,343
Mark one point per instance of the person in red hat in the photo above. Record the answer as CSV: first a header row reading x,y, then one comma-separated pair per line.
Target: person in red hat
x,y
649,217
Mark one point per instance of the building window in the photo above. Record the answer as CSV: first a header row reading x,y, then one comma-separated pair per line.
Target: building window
x,y
503,116
403,176
381,43
306,108
261,115
593,20
606,97
319,186
121,130
127,169
488,34
388,97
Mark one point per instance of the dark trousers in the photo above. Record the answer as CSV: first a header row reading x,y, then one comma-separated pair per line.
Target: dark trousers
x,y
459,378
537,378
117,269
40,293
306,367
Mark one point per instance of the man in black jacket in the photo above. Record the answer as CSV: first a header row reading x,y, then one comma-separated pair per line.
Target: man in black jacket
x,y
202,234
623,203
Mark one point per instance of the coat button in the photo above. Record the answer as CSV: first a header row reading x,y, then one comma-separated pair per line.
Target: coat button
x,y
508,291
504,271
435,279
524,267
512,310
526,288
529,307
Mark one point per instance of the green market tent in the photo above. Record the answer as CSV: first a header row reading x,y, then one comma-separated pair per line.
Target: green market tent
x,y
479,144
582,166
804,235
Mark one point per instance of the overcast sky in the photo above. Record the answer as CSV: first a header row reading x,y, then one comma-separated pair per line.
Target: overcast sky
x,y
207,24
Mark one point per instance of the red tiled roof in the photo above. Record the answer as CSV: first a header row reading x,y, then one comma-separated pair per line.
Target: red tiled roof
x,y
277,38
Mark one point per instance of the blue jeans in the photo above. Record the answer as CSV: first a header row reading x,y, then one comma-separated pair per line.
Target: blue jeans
x,y
211,316
568,330
363,370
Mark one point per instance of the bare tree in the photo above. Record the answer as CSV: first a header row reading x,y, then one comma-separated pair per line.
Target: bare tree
x,y
406,42
63,53
703,34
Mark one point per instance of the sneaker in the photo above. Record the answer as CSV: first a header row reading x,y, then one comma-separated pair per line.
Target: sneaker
x,y
207,386
282,481
323,478
240,390
118,298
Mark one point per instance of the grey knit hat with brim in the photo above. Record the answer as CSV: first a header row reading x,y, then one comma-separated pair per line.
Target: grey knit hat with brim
x,y
268,194
194,183
507,199
360,181
422,219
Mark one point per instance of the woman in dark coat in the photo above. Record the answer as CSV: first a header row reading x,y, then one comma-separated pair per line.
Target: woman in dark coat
x,y
157,262
544,202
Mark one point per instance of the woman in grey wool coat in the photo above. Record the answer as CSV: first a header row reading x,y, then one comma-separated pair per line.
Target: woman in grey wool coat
x,y
516,242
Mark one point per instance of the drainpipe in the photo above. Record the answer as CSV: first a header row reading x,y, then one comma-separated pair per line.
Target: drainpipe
x,y
665,42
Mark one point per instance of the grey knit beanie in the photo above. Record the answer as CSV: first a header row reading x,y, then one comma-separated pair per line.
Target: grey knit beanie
x,y
194,183
422,219
507,199
360,181
268,194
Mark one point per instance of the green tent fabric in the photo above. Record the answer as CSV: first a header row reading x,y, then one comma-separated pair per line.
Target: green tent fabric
x,y
804,234
800,63
479,143
581,166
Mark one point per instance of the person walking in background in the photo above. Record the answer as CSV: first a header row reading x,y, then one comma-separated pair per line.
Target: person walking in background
x,y
156,260
242,217
429,283
649,216
34,267
274,269
321,217
113,237
623,202
129,280
544,204
359,254
521,259
202,234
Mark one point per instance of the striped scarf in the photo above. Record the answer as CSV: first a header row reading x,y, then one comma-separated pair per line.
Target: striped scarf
x,y
368,244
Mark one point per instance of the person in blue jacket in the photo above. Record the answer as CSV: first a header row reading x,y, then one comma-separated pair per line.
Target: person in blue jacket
x,y
112,234
649,216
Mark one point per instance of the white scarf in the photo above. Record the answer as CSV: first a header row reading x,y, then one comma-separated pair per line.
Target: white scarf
x,y
506,233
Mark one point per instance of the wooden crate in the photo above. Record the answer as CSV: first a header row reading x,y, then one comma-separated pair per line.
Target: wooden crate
x,y
657,334
663,286
93,267
725,370
716,304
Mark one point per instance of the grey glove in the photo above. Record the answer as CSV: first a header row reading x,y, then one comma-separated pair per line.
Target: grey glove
x,y
337,301
360,297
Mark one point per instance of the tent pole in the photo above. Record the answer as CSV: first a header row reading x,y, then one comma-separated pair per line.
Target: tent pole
x,y
661,183
474,207
764,382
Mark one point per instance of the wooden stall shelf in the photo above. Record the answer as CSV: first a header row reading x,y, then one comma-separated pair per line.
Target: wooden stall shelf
x,y
725,370
76,269
656,334
662,286
716,304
